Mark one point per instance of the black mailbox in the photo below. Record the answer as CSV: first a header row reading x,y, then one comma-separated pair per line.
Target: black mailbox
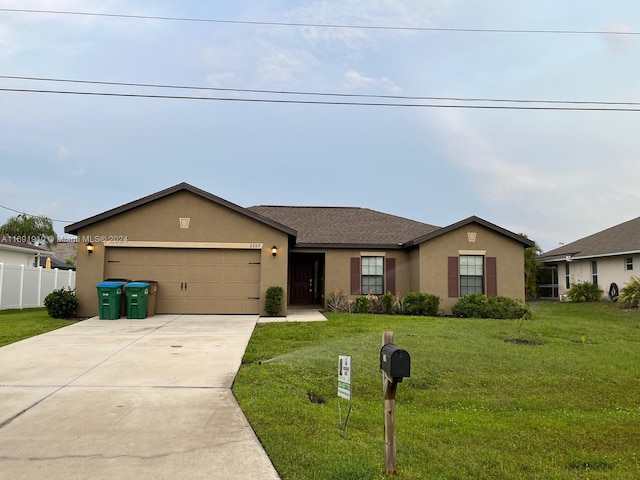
x,y
395,362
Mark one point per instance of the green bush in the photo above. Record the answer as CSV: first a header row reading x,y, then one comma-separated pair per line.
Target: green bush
x,y
61,303
388,300
630,293
478,305
419,303
273,301
362,304
584,292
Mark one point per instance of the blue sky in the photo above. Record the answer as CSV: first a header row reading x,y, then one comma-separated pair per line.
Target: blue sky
x,y
553,175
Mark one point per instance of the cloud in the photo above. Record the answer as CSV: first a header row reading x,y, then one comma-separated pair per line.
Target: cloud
x,y
63,153
618,43
283,65
500,176
355,79
407,13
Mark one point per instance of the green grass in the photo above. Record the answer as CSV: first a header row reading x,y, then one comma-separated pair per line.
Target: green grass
x,y
16,325
559,400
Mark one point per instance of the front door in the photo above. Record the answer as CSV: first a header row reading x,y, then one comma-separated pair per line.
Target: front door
x,y
305,279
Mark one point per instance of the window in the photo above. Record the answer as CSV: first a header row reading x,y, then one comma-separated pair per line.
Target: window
x,y
372,275
594,272
471,274
629,263
567,278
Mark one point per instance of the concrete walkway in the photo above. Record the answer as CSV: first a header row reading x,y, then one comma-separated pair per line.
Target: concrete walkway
x,y
129,399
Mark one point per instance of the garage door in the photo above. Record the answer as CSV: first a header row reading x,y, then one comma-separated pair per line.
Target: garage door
x,y
193,280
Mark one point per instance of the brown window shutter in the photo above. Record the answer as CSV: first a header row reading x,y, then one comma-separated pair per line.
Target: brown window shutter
x,y
492,278
453,277
390,274
355,275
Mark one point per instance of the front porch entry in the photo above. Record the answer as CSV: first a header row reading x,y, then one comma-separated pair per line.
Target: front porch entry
x,y
306,279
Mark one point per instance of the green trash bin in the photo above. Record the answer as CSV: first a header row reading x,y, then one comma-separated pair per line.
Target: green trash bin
x,y
137,298
152,297
109,298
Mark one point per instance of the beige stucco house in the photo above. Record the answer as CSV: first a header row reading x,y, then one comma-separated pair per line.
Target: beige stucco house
x,y
209,255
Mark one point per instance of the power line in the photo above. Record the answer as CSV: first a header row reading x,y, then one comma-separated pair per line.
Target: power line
x,y
320,102
23,213
324,25
290,92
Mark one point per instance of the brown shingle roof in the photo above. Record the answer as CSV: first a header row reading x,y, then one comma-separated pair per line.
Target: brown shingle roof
x,y
619,239
345,226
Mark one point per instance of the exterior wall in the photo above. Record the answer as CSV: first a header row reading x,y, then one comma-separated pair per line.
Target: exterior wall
x,y
11,257
338,269
610,270
158,221
434,254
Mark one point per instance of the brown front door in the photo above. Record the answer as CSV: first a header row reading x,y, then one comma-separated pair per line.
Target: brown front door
x,y
302,285
306,276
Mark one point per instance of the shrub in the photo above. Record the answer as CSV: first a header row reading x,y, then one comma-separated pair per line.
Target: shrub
x,y
362,304
419,303
338,301
630,293
478,305
61,303
387,301
273,301
584,292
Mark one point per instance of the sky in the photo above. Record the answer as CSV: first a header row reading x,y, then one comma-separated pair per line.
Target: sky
x,y
554,175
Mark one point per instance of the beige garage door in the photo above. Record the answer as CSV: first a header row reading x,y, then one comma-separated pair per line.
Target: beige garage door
x,y
193,280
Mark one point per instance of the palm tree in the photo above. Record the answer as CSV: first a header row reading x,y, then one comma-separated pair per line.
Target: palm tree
x,y
33,229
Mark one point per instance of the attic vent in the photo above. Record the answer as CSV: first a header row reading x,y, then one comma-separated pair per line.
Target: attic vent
x,y
471,236
184,222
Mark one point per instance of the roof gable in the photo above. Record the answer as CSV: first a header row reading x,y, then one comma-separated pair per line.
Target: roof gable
x,y
345,226
75,227
619,239
467,221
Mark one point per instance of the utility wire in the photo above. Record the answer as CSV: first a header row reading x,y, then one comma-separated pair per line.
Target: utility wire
x,y
342,95
23,213
324,25
319,102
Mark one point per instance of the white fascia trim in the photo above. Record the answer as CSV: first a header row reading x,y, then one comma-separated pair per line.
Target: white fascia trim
x,y
587,257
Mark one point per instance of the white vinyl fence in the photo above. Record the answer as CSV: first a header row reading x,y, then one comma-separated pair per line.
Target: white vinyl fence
x,y
27,287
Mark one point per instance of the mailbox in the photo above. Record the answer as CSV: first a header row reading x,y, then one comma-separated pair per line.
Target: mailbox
x,y
395,362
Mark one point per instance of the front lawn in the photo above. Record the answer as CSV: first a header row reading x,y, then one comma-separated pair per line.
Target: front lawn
x,y
16,325
557,396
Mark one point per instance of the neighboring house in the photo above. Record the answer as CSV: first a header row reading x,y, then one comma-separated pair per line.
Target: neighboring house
x,y
609,258
212,256
55,263
13,252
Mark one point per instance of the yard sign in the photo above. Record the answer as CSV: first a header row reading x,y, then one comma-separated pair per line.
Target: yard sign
x,y
344,389
344,377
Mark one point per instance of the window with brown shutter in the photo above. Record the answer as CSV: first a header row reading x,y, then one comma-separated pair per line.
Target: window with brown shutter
x,y
355,275
492,277
453,277
390,274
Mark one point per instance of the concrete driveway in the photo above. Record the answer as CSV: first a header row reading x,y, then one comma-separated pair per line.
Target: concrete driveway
x,y
129,399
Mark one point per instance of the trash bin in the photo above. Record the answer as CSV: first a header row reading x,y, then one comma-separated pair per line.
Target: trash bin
x,y
137,296
123,303
109,300
152,298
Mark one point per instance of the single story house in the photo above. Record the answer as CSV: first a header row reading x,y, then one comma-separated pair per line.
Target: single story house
x,y
609,258
209,255
15,252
